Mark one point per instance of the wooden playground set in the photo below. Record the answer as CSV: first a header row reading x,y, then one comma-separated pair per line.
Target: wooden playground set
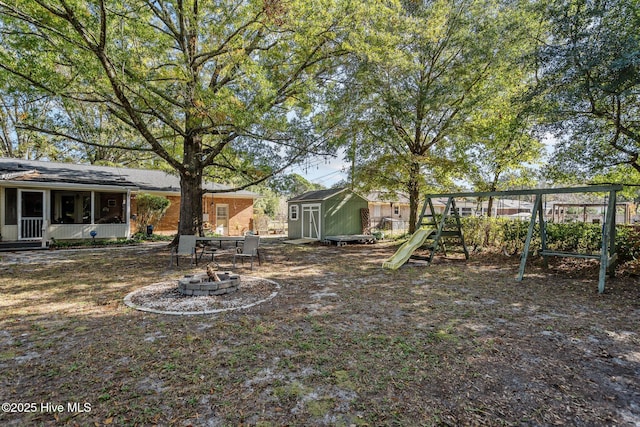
x,y
433,229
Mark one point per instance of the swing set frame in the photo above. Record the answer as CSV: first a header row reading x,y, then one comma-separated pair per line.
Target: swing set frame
x,y
608,255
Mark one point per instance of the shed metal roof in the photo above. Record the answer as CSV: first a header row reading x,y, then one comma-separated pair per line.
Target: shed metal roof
x,y
317,195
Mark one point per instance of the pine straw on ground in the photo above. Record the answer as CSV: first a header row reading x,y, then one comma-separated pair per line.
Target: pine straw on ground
x,y
344,343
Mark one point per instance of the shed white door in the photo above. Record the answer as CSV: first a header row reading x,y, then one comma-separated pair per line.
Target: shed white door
x,y
311,221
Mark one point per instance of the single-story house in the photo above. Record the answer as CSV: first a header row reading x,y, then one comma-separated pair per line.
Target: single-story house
x,y
388,210
501,207
589,212
43,200
333,212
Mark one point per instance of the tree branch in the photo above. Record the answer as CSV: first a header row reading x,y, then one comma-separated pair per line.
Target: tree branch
x,y
78,139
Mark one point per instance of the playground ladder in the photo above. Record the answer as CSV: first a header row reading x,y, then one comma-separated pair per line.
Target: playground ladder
x,y
444,230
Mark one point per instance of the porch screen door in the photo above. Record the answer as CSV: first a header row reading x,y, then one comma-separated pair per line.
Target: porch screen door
x,y
30,214
311,221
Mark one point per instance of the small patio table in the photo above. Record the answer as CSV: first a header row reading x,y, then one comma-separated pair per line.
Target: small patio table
x,y
220,239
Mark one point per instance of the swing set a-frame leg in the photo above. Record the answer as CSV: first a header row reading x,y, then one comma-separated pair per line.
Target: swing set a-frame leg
x,y
608,253
537,208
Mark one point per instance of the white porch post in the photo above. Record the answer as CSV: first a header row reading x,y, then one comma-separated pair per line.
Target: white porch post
x,y
128,213
45,233
93,207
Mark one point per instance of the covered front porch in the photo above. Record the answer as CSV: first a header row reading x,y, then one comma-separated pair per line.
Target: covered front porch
x,y
40,215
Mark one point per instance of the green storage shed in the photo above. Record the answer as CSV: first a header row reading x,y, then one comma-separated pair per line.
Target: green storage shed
x,y
317,214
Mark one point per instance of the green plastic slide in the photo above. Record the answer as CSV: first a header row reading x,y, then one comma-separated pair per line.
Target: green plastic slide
x,y
404,252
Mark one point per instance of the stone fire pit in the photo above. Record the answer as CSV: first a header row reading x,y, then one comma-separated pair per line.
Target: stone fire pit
x,y
204,285
195,294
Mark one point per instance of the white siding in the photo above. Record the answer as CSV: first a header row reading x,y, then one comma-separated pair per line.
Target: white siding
x,y
9,233
83,231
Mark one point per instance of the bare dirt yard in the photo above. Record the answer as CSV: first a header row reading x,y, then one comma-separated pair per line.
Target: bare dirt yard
x,y
343,343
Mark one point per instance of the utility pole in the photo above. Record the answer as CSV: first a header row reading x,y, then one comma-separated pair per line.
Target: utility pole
x,y
353,163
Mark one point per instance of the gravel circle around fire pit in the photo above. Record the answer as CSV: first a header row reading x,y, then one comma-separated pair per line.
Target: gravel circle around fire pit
x,y
164,298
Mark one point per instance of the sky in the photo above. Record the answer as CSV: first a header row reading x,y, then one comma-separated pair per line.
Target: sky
x,y
332,170
324,171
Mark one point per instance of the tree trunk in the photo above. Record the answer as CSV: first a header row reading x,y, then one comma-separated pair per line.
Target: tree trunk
x,y
493,187
413,188
190,199
490,206
191,180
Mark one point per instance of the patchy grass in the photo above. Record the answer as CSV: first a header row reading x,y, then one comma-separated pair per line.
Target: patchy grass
x,y
344,343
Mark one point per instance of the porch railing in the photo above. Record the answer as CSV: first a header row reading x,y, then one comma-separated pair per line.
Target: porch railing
x,y
31,228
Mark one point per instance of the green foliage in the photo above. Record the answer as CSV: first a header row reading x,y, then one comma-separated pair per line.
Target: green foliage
x,y
143,237
408,110
496,143
621,174
628,243
588,89
574,237
267,205
228,90
292,185
577,237
506,233
150,209
18,111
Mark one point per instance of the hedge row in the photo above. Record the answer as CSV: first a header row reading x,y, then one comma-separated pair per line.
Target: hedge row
x,y
510,235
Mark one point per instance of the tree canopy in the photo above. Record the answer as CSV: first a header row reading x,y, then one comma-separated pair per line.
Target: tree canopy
x,y
444,60
589,86
207,86
421,95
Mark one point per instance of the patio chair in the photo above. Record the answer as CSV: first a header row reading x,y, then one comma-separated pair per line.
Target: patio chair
x,y
250,249
186,247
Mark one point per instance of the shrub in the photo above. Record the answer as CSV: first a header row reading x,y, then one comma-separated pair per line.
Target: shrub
x,y
151,209
576,237
505,233
628,243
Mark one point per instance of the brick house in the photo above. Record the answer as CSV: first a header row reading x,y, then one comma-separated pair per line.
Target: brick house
x,y
228,214
43,200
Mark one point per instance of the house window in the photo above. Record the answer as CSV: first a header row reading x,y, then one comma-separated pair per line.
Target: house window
x,y
465,211
293,212
11,206
396,210
71,207
110,208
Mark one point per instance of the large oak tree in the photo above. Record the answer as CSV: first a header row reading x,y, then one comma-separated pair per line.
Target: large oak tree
x,y
417,96
209,86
